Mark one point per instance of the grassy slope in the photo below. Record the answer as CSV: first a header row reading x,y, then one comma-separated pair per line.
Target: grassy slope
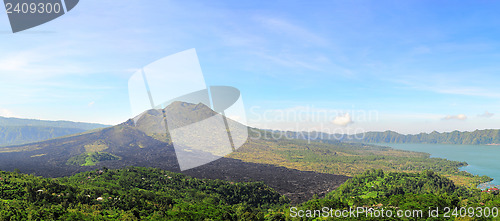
x,y
348,159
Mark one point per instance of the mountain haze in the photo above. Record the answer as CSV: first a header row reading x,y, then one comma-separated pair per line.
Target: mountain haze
x,y
491,136
15,131
483,137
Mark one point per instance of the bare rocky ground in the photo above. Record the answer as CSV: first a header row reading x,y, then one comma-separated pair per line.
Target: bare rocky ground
x,y
298,186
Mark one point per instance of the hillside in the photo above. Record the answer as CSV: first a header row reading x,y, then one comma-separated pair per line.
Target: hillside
x,y
376,191
455,137
145,143
4,121
137,193
18,131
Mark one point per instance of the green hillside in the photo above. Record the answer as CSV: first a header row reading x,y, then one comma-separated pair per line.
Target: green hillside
x,y
376,190
129,194
455,137
14,131
4,121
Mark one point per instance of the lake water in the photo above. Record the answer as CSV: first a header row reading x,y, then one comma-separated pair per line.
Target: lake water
x,y
482,159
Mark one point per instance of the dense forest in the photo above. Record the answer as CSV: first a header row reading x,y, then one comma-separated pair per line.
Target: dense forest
x,y
455,137
132,193
135,193
375,191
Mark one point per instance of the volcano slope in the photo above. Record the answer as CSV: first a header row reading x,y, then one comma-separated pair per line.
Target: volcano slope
x,y
137,142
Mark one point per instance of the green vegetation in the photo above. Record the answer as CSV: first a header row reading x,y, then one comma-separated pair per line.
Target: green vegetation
x,y
130,194
137,193
346,159
455,137
91,159
403,191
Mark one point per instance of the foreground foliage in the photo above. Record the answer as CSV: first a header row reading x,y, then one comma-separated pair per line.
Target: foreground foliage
x,y
151,194
130,194
376,190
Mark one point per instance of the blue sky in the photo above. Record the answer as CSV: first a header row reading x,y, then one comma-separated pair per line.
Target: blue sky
x,y
408,66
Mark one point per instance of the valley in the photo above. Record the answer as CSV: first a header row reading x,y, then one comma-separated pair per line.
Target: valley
x,y
303,173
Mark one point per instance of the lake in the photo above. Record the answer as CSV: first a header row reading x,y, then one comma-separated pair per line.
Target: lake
x,y
482,159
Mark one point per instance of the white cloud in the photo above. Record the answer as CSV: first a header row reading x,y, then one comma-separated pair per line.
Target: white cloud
x,y
91,103
458,85
486,114
292,30
6,113
343,120
455,117
289,60
471,91
15,62
38,64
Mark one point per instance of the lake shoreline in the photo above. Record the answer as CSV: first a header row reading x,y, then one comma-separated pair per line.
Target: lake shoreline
x,y
479,158
487,185
484,185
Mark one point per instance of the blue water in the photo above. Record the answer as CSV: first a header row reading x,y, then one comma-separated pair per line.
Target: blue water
x,y
482,159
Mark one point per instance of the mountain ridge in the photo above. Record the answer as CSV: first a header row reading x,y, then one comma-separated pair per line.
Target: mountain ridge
x,y
487,136
15,131
484,137
14,121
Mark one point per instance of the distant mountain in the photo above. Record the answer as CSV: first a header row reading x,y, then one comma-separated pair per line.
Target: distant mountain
x,y
456,137
485,137
15,131
141,141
